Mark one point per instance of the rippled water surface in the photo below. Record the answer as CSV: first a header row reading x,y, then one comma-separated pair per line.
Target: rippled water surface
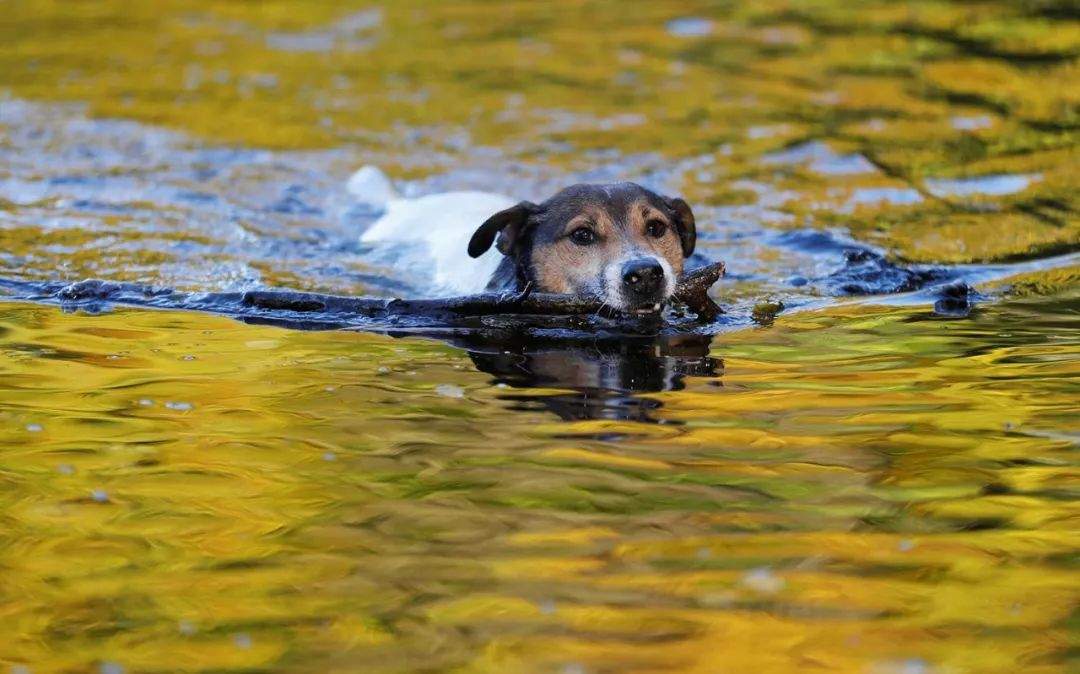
x,y
858,472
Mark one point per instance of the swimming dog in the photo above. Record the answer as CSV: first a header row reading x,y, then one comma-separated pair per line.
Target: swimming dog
x,y
620,243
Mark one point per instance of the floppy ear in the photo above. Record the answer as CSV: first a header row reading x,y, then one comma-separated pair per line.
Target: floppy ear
x,y
508,224
684,223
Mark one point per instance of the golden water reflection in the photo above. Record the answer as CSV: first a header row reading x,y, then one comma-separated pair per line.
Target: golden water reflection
x,y
865,490
860,490
904,95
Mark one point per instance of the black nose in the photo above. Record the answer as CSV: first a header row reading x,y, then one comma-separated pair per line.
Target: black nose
x,y
643,278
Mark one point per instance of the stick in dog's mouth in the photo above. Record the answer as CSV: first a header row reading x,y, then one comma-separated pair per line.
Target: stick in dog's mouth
x,y
691,291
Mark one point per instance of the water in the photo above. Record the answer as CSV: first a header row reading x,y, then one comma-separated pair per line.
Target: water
x,y
868,465
863,487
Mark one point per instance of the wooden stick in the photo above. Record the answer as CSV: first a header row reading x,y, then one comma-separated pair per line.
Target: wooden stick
x,y
692,290
484,310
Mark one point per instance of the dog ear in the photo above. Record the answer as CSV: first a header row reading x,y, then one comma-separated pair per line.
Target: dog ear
x,y
508,224
684,223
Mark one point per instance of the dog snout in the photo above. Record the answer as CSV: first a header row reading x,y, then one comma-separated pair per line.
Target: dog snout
x,y
643,278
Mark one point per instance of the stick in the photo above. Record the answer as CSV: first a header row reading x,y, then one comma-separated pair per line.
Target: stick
x,y
692,290
315,310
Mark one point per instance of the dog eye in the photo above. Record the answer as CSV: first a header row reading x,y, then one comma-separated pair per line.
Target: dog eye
x,y
655,228
583,236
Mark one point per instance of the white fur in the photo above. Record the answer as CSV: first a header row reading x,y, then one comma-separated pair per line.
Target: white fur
x,y
669,277
433,232
612,291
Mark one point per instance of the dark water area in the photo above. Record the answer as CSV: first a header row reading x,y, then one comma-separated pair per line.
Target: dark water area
x,y
214,457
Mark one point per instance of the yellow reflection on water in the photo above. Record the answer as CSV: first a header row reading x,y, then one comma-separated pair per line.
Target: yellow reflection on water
x,y
924,90
861,490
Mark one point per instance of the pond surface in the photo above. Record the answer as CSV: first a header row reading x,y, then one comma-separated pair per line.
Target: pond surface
x,y
879,478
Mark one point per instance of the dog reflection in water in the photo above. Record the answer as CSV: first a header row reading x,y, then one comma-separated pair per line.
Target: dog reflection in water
x,y
599,376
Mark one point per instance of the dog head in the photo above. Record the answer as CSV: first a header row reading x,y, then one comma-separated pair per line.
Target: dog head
x,y
620,243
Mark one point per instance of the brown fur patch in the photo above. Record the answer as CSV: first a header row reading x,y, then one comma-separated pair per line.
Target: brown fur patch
x,y
666,247
566,267
563,266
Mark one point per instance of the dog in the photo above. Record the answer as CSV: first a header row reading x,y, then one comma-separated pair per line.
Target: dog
x,y
620,243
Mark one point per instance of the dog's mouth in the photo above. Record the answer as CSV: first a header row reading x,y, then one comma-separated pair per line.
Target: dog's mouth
x,y
640,286
629,293
640,306
644,304
632,307
647,309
